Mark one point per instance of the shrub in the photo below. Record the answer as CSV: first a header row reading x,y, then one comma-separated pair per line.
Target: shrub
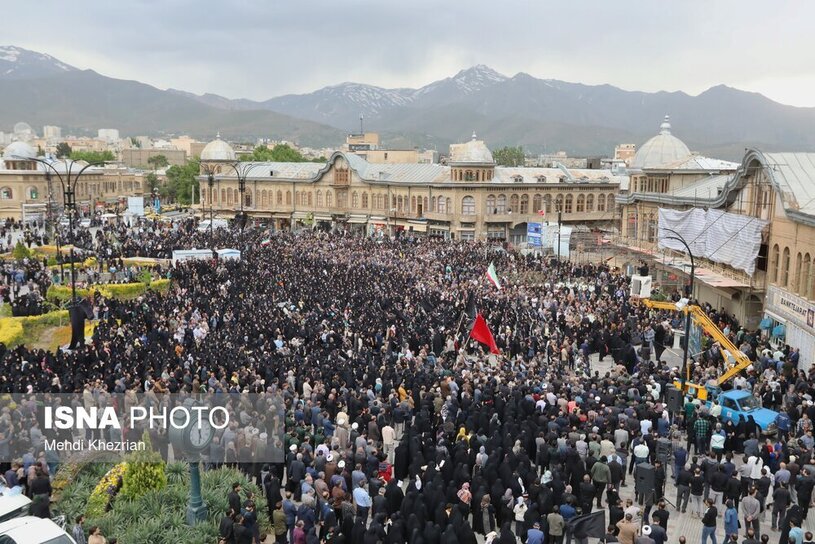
x,y
145,472
105,492
11,331
20,252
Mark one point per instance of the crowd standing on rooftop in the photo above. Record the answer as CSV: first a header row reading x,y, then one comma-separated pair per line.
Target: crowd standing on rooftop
x,y
399,429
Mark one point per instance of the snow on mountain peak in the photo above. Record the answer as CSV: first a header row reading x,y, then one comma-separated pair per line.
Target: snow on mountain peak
x,y
19,63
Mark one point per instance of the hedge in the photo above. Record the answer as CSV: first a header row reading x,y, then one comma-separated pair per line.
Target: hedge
x,y
14,330
124,291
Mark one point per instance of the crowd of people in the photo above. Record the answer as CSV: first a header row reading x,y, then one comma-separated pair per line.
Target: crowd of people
x,y
400,429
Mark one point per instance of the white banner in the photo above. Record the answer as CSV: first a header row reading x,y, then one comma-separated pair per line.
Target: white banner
x,y
135,206
722,237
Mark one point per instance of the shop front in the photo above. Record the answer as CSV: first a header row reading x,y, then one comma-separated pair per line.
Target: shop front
x,y
790,319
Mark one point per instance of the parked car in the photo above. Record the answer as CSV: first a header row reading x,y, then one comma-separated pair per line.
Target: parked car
x,y
33,530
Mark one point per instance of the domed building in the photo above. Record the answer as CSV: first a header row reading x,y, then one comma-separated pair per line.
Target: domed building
x,y
661,150
471,161
18,155
218,151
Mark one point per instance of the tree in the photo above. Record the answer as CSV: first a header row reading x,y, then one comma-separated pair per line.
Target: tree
x,y
181,182
63,150
92,156
135,142
158,161
152,181
279,153
509,156
40,151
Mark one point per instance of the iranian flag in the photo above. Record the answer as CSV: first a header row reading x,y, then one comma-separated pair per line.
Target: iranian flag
x,y
266,242
481,332
493,276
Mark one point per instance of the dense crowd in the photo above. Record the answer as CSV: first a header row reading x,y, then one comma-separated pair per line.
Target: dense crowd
x,y
399,429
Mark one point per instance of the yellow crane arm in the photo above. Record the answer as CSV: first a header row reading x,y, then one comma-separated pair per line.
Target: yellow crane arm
x,y
735,360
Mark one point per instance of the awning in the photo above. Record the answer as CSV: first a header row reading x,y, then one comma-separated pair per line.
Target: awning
x,y
438,227
358,219
299,215
465,228
775,317
281,215
377,219
322,217
418,228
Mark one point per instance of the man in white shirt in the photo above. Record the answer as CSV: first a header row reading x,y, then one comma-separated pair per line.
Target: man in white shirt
x,y
388,440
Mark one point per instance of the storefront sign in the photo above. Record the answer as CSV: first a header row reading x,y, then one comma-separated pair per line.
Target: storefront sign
x,y
791,306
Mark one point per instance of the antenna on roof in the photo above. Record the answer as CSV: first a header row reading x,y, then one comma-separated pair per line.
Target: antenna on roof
x,y
361,127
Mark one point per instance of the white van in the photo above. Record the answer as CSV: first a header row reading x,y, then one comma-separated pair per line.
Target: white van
x,y
13,506
203,226
33,530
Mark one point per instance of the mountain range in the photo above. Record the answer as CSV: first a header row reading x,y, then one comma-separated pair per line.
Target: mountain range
x,y
540,114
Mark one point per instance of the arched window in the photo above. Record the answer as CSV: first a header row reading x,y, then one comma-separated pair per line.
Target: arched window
x,y
310,199
785,268
491,204
442,205
365,200
501,204
223,196
433,204
537,202
329,199
449,204
355,200
5,193
797,279
524,204
514,203
288,198
590,203
774,262
567,204
601,203
264,199
806,270
425,205
559,203
413,204
547,203
248,197
468,205
297,198
319,198
581,203
33,193
280,198
610,204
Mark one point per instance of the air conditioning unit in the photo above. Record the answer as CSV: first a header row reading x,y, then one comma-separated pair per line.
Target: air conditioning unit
x,y
641,286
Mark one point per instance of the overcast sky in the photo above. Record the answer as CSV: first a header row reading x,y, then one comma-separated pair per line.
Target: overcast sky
x,y
264,48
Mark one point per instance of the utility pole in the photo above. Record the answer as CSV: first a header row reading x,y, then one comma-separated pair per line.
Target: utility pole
x,y
559,216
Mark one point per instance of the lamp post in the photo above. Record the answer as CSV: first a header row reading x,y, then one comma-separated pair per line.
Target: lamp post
x,y
68,180
676,236
54,229
242,170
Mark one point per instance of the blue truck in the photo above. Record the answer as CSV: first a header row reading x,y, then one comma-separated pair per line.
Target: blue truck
x,y
737,403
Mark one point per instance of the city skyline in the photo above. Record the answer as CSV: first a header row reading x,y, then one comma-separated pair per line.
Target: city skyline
x,y
256,50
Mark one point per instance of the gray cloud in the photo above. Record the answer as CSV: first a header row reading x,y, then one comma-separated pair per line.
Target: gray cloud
x,y
264,48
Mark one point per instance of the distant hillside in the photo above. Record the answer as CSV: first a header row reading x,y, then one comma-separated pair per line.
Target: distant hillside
x,y
540,114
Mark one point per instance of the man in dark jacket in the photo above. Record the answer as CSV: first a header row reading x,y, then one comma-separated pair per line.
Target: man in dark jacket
x,y
234,498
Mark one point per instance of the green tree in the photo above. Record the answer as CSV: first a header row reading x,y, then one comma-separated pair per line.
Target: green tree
x,y
279,153
158,161
92,156
135,143
509,156
63,150
20,252
181,182
152,181
40,151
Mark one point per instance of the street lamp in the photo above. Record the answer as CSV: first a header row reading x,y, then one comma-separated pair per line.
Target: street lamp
x,y
209,170
242,170
68,180
676,236
52,226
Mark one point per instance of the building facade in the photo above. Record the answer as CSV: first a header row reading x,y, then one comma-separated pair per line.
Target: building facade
x,y
771,188
469,198
25,190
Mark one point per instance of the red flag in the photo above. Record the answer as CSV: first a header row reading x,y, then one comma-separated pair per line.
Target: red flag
x,y
481,332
